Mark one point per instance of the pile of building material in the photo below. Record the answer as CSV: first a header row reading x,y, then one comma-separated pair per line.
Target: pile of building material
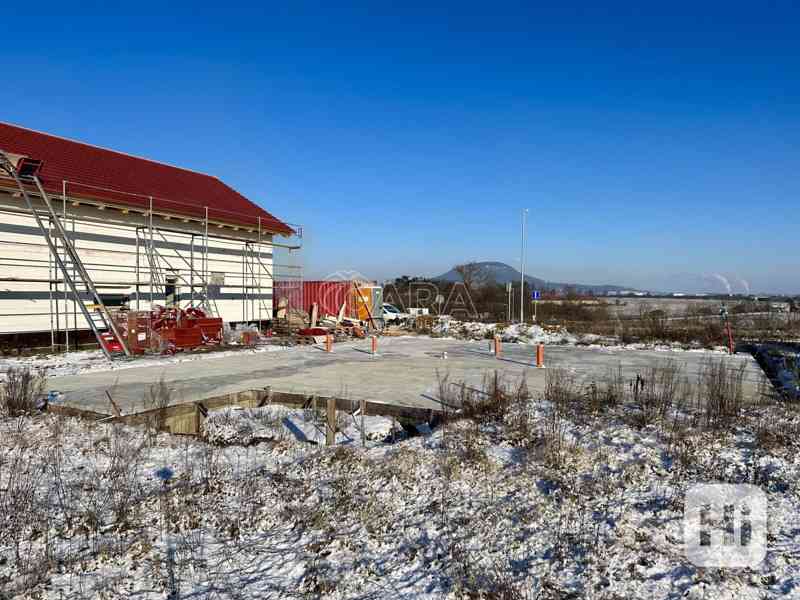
x,y
320,321
338,330
244,334
164,330
423,323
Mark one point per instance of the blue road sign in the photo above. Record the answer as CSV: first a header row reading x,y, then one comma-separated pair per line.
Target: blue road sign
x,y
536,294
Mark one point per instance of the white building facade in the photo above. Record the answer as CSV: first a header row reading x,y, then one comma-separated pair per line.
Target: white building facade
x,y
139,253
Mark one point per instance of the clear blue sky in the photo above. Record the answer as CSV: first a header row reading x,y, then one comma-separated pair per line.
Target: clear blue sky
x,y
653,146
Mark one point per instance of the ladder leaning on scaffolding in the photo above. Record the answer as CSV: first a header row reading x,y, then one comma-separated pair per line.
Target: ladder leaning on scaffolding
x,y
99,319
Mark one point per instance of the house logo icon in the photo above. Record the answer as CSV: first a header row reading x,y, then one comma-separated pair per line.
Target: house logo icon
x,y
725,525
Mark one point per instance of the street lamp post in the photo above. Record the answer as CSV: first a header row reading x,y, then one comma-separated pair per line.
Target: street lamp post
x,y
508,291
522,270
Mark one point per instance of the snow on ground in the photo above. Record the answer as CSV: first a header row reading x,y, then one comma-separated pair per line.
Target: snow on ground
x,y
74,363
536,334
657,347
244,426
565,496
522,333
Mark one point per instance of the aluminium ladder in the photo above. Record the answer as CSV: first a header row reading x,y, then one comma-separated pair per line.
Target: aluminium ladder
x,y
99,320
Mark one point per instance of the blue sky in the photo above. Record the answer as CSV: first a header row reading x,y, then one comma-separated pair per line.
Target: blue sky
x,y
654,147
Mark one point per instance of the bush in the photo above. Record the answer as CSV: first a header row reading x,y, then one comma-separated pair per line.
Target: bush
x,y
495,400
157,398
20,391
561,388
721,392
607,394
658,391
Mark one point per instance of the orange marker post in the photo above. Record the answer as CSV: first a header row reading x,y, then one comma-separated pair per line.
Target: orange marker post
x,y
374,344
498,347
729,331
540,355
328,343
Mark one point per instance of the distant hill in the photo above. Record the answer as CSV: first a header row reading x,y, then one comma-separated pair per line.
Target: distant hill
x,y
502,273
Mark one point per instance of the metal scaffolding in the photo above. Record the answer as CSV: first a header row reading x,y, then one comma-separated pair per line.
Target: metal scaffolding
x,y
164,258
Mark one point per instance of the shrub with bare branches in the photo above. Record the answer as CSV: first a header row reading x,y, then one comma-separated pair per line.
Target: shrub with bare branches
x,y
721,392
157,398
495,399
655,393
20,391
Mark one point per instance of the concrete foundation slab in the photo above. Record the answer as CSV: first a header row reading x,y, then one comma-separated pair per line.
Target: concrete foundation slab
x,y
405,371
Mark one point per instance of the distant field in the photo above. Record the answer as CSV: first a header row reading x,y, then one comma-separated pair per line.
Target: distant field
x,y
672,306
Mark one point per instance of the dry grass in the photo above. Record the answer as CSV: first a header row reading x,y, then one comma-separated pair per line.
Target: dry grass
x,y
158,397
494,401
659,390
721,393
20,392
662,396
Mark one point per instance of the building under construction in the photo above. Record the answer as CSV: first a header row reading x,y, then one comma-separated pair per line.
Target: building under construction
x,y
86,230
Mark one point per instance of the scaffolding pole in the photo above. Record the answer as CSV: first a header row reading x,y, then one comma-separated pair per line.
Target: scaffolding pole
x,y
65,258
50,287
191,272
244,282
74,303
205,260
150,247
137,268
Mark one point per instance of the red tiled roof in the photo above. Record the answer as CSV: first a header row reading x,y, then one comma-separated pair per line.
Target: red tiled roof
x,y
114,177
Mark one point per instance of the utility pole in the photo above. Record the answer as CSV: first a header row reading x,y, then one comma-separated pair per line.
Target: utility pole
x,y
508,290
522,270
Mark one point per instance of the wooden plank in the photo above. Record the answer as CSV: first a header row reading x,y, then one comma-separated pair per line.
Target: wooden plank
x,y
114,406
185,417
363,409
369,312
373,408
330,430
340,316
71,411
265,398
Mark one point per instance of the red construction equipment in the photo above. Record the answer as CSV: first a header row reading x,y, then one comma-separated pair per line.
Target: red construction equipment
x,y
313,331
167,329
110,342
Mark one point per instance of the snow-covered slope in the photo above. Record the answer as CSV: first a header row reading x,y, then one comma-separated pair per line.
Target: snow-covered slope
x,y
544,502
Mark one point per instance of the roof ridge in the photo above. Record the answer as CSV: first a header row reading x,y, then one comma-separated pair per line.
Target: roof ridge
x,y
118,177
72,141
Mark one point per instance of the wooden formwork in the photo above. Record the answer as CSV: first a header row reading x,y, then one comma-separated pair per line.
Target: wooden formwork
x,y
186,418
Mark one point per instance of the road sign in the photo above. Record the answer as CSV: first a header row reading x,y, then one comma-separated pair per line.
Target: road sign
x,y
536,295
